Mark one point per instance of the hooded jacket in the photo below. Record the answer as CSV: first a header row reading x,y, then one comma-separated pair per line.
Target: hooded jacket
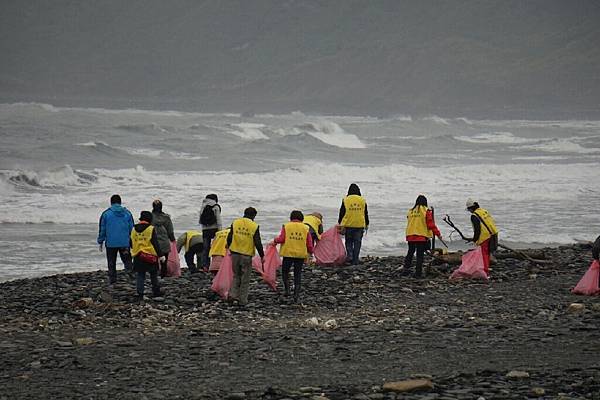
x,y
353,190
164,231
115,225
217,210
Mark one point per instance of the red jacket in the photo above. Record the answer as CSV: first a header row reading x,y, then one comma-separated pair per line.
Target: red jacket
x,y
430,225
281,238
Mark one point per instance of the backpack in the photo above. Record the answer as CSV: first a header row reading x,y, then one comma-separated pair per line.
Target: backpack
x,y
208,217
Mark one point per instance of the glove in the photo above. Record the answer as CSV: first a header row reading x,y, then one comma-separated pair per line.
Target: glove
x,y
100,247
162,259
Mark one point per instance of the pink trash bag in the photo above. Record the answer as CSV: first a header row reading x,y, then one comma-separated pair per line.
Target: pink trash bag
x,y
588,285
272,262
472,266
330,250
173,262
223,280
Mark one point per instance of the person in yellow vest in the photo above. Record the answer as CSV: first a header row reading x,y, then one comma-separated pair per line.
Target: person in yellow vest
x,y
296,244
485,232
218,250
354,219
315,225
192,242
242,240
420,228
145,250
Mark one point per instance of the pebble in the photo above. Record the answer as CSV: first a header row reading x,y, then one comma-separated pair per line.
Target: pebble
x,y
517,374
408,385
226,350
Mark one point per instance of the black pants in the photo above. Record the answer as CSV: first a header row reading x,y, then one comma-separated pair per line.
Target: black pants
x,y
420,248
207,236
195,250
111,258
163,265
286,265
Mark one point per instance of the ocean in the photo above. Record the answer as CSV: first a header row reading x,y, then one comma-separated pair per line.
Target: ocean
x,y
59,166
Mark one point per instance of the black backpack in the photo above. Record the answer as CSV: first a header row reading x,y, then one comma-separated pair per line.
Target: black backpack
x,y
208,216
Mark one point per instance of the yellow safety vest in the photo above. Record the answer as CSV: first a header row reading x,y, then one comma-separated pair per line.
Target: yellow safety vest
x,y
417,222
242,240
295,240
188,237
355,212
487,227
314,223
217,248
141,241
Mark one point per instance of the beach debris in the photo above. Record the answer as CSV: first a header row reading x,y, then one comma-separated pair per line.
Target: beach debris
x,y
409,385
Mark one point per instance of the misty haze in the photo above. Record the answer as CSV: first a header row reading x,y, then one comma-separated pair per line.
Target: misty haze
x,y
377,119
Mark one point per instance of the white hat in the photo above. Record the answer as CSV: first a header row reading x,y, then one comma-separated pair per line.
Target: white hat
x,y
470,202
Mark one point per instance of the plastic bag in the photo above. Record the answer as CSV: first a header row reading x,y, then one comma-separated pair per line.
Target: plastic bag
x,y
272,262
330,250
588,284
173,262
472,266
223,280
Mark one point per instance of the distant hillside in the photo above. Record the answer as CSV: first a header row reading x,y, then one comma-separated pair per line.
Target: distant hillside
x,y
358,57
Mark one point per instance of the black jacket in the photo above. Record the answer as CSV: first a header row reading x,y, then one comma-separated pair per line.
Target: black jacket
x,y
596,248
257,241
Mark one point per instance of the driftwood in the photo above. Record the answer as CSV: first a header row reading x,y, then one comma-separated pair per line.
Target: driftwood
x,y
525,256
449,258
533,253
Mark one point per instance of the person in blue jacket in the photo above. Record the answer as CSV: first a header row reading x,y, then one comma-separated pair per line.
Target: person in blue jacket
x,y
116,224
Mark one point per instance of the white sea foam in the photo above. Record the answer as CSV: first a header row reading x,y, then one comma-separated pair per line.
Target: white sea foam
x,y
249,131
437,120
561,145
92,144
496,137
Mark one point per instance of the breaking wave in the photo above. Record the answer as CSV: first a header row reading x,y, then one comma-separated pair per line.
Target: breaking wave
x,y
52,179
327,132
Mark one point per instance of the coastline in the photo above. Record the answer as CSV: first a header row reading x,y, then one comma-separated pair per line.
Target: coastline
x,y
465,337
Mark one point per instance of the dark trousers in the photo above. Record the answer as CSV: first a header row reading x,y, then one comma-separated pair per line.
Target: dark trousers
x,y
195,250
141,277
286,265
353,243
111,258
163,265
207,236
420,248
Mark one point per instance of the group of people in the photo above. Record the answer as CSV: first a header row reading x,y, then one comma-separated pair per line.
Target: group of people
x,y
146,246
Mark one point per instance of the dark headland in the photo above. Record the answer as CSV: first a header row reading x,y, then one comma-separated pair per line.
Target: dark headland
x,y
516,336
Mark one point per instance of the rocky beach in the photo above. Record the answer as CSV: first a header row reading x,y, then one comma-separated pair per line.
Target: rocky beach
x,y
361,332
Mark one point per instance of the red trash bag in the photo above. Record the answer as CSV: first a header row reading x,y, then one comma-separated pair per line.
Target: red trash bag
x,y
588,285
272,262
330,250
223,280
472,266
173,262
